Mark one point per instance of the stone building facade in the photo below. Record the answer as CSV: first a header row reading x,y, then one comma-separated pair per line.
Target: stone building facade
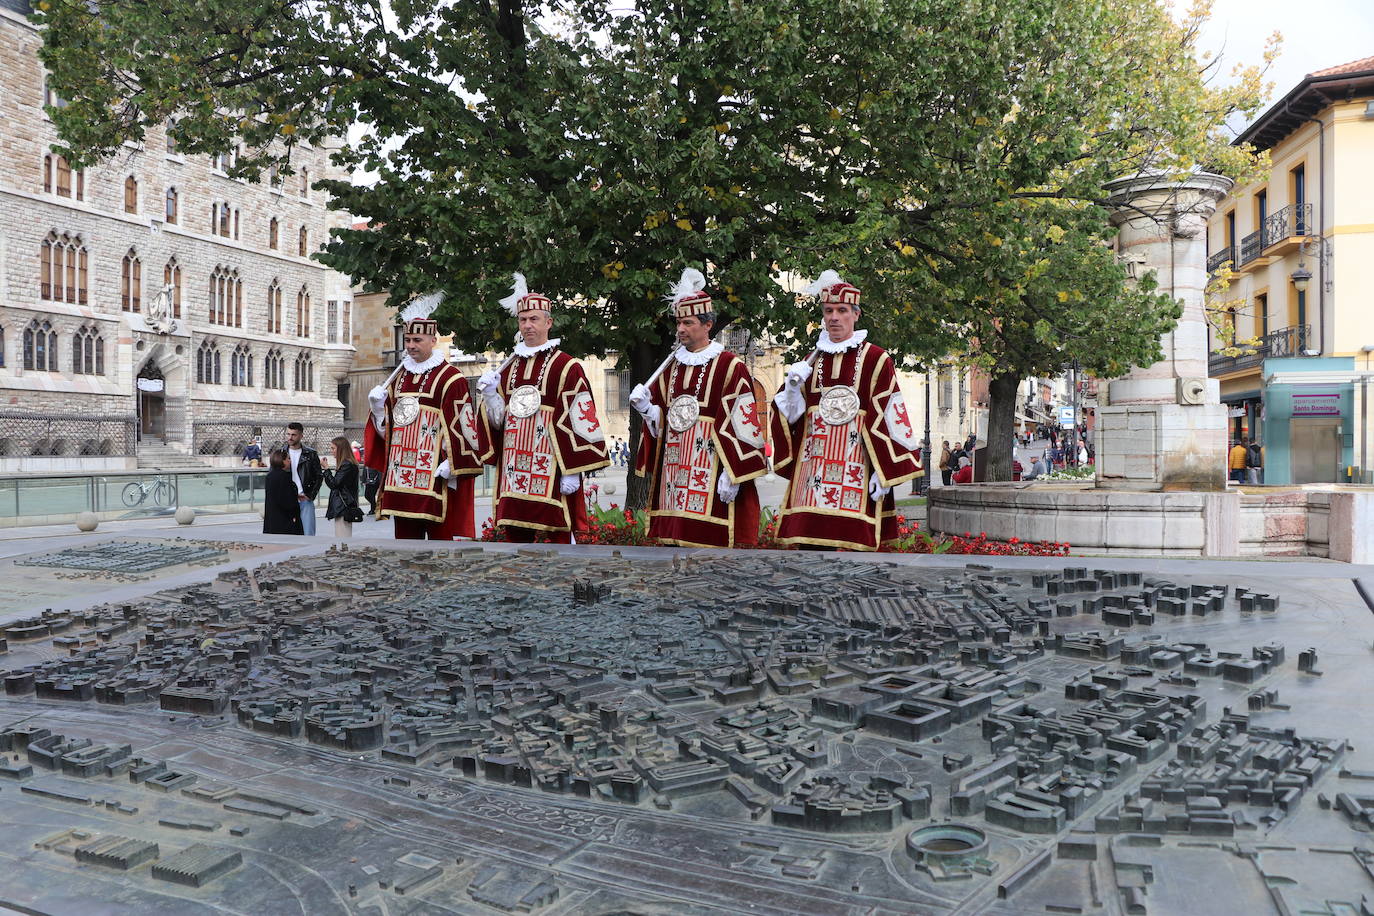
x,y
100,371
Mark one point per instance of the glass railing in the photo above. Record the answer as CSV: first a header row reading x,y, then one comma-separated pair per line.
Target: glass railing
x,y
60,498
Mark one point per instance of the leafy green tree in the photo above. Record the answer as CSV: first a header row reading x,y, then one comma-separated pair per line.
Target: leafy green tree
x,y
600,148
597,151
990,247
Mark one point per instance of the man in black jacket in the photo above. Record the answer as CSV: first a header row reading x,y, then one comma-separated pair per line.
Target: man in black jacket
x,y
306,474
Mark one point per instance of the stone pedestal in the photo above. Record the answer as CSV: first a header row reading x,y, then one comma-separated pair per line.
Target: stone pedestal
x,y
1163,426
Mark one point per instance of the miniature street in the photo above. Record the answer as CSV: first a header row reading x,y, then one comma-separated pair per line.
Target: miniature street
x,y
211,720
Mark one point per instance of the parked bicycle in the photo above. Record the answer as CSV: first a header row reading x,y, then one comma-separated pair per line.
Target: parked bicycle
x,y
162,490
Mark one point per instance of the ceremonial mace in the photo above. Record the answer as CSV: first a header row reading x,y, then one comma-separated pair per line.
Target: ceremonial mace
x,y
768,446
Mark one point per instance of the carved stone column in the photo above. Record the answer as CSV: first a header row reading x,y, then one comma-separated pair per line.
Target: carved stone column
x,y
1163,426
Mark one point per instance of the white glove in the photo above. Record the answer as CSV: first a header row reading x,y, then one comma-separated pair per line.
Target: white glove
x,y
488,386
444,471
376,399
726,488
790,401
876,488
651,419
568,483
640,400
798,373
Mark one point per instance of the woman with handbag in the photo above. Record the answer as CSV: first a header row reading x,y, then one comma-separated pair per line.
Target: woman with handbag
x,y
343,489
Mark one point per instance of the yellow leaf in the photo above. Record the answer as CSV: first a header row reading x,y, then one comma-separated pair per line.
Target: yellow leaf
x,y
1063,296
684,224
288,129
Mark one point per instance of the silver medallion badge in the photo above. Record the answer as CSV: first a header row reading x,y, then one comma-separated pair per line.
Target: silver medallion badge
x,y
524,401
683,413
405,412
839,405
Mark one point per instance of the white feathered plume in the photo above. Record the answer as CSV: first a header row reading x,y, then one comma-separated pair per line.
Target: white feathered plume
x,y
692,281
827,279
519,290
422,307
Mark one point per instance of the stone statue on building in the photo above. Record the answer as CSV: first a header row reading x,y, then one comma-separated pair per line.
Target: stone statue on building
x,y
159,313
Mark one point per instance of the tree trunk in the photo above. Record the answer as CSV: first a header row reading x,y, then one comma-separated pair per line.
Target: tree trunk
x,y
1001,425
644,359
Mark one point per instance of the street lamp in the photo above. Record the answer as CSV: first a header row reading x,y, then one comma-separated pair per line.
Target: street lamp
x,y
1301,278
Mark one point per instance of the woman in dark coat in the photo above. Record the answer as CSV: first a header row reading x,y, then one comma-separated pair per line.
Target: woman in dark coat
x,y
343,487
281,509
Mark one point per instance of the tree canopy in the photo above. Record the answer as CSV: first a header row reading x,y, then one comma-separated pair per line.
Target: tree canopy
x,y
948,156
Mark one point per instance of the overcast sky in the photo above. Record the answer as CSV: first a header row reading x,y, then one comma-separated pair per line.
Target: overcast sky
x,y
1316,34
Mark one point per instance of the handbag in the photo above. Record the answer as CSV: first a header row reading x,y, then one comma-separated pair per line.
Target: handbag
x,y
352,513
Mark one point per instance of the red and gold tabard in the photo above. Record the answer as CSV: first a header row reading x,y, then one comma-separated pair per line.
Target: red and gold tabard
x,y
828,458
551,428
430,419
685,458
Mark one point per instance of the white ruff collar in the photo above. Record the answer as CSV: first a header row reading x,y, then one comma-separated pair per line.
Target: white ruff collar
x,y
411,365
522,350
825,345
700,357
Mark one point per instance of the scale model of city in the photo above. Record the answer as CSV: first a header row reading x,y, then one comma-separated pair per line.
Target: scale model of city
x,y
468,731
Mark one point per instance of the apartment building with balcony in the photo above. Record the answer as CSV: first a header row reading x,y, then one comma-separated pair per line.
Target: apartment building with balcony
x,y
1300,248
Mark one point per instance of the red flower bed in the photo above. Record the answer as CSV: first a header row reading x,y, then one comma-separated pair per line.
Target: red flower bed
x,y
622,527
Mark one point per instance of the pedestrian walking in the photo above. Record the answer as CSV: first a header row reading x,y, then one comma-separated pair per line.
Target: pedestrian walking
x,y
1239,455
281,509
252,453
1254,463
946,463
343,489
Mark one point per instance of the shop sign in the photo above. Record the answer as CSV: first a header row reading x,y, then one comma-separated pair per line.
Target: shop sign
x,y
1316,405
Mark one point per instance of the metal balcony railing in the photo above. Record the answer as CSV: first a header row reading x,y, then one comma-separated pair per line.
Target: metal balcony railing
x,y
1249,248
1226,255
1293,220
1287,342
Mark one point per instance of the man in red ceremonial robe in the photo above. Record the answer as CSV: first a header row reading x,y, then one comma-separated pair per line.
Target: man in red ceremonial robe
x,y
422,438
841,434
540,428
702,442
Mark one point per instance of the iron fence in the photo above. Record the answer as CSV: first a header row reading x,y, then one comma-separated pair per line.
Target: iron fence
x,y
65,435
230,437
